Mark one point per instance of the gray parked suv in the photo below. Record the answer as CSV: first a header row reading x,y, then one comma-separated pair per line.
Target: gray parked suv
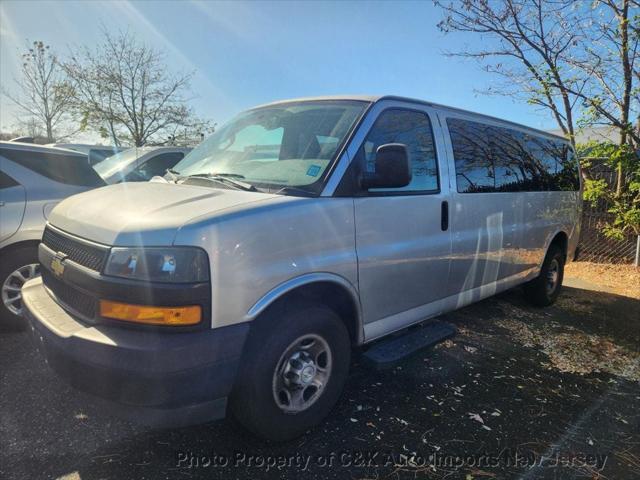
x,y
33,179
295,232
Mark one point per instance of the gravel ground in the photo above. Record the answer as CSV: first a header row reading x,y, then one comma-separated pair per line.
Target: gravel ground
x,y
619,279
499,400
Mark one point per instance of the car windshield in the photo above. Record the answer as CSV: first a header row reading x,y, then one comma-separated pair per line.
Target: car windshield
x,y
112,164
287,145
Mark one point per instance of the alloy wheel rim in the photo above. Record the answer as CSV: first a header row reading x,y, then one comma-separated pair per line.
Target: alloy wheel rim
x,y
302,373
11,293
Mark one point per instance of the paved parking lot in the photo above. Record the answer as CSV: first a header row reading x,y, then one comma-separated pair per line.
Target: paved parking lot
x,y
519,392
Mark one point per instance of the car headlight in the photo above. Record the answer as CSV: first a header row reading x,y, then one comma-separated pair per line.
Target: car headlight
x,y
159,264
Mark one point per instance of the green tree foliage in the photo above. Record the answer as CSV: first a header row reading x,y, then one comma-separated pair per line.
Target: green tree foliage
x,y
624,205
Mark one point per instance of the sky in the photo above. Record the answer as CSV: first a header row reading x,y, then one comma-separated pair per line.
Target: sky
x,y
249,53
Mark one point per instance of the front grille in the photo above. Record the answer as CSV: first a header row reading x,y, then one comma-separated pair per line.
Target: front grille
x,y
69,296
87,255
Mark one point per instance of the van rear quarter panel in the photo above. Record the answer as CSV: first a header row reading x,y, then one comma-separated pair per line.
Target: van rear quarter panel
x,y
497,235
545,214
251,252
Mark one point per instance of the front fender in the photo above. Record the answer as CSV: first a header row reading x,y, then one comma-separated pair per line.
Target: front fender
x,y
282,289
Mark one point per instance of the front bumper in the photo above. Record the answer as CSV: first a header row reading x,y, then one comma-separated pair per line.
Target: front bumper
x,y
158,378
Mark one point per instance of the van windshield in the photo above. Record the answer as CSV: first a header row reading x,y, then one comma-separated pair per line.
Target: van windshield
x,y
273,147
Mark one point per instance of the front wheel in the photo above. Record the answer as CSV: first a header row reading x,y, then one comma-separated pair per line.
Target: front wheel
x,y
293,371
544,289
16,267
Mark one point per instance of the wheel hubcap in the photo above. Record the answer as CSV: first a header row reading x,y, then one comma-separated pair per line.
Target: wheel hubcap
x,y
552,276
11,294
302,373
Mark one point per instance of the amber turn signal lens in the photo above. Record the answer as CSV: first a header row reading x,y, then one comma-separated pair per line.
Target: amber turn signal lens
x,y
151,315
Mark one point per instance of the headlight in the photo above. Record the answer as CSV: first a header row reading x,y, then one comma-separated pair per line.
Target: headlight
x,y
159,264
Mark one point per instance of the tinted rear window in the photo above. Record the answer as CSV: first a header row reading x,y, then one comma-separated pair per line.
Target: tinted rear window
x,y
498,159
61,167
6,181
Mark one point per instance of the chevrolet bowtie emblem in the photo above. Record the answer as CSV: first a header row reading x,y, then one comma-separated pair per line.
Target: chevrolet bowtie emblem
x,y
56,264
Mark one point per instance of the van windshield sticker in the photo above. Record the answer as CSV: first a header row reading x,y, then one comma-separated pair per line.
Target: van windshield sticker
x,y
314,170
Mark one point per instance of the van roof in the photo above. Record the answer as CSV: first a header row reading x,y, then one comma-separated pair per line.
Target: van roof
x,y
377,98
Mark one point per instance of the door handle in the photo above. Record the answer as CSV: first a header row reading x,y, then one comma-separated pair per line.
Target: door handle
x,y
444,215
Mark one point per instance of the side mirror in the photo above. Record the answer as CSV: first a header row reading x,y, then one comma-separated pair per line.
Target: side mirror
x,y
393,169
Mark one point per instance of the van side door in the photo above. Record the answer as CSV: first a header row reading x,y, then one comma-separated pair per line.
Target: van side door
x,y
403,243
488,214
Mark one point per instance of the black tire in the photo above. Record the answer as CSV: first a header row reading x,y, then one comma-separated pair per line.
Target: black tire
x,y
253,400
539,291
10,261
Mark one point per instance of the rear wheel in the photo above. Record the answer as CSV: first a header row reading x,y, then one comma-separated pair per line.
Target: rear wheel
x,y
544,290
16,267
295,366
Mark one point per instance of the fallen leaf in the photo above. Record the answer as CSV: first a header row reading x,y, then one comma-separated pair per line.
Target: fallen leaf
x,y
476,417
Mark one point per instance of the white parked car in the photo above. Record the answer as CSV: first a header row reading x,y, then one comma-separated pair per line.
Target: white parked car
x,y
33,179
139,164
95,153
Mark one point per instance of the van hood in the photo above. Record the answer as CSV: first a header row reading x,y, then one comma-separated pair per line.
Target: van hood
x,y
149,213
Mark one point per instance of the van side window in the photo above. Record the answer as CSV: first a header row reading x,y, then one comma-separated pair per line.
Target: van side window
x,y
568,174
498,159
412,129
473,156
513,169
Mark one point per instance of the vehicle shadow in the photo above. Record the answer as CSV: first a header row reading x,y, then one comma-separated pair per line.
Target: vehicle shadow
x,y
423,404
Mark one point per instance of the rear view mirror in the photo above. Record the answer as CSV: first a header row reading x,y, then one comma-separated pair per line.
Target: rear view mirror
x,y
393,169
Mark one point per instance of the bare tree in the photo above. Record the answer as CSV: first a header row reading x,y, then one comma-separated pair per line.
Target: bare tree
x,y
576,58
43,93
529,42
608,64
31,127
127,91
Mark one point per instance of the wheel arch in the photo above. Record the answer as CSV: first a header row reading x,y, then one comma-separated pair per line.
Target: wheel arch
x,y
18,245
330,289
561,239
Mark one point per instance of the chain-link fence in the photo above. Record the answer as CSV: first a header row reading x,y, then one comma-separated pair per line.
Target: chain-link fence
x,y
594,245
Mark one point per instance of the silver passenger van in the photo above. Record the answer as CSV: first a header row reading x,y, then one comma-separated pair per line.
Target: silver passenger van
x,y
299,230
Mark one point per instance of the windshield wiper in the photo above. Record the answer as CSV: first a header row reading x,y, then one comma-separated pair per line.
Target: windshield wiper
x,y
228,175
294,191
225,180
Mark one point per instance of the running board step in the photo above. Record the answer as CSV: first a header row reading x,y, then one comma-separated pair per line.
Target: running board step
x,y
395,348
